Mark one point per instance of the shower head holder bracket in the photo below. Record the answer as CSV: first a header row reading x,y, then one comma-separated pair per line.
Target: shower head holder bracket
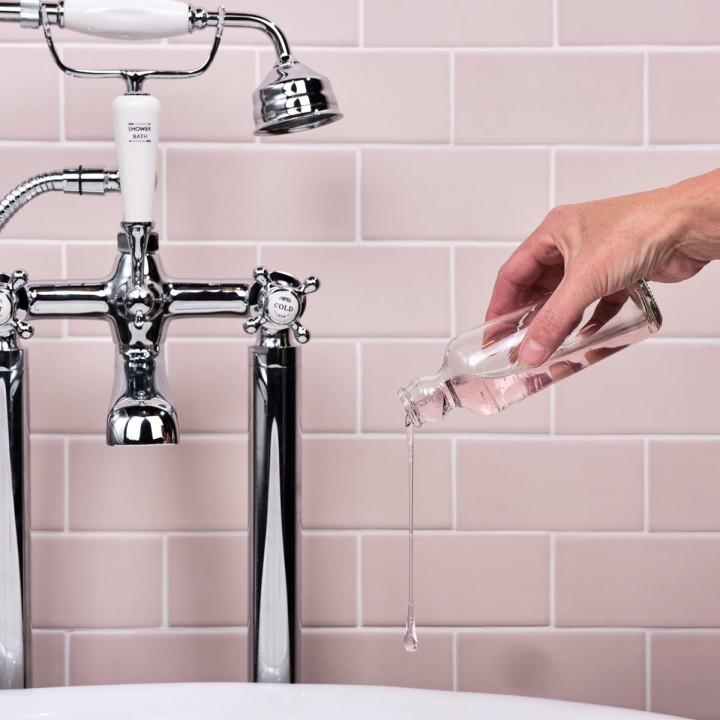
x,y
134,79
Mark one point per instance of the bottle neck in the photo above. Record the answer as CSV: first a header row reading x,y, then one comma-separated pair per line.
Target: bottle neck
x,y
427,399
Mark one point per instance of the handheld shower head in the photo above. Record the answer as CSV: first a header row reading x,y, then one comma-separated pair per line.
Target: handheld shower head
x,y
293,98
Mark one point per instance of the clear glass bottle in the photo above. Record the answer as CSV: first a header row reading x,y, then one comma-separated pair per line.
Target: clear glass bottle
x,y
480,371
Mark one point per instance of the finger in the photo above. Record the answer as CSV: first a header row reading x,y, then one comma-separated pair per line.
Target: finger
x,y
529,272
554,321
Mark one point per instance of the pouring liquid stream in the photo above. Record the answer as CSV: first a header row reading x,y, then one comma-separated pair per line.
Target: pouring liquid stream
x,y
410,639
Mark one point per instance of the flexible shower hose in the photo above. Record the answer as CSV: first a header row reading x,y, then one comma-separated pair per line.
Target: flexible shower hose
x,y
80,181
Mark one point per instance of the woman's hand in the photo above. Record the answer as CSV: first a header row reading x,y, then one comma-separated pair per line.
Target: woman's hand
x,y
586,251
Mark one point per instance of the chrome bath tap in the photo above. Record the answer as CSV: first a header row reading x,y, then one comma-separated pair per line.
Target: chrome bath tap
x,y
138,299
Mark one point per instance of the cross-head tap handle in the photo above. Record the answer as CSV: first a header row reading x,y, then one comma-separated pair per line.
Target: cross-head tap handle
x,y
278,300
14,305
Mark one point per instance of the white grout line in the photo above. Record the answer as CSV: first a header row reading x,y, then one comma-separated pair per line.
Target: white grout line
x,y
646,100
66,484
648,671
361,23
358,583
646,485
552,574
455,660
165,622
453,96
358,196
68,657
358,388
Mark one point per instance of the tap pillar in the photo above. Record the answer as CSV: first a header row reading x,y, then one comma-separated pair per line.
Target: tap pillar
x,y
274,526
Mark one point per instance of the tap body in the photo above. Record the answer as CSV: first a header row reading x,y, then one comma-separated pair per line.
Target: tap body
x,y
138,300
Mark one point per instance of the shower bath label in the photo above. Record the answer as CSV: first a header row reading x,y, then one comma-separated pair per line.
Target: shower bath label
x,y
139,132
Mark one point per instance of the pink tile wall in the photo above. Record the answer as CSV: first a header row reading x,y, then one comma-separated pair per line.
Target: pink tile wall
x,y
566,548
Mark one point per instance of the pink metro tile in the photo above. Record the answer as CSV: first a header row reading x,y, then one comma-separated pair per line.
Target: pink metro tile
x,y
198,484
321,22
629,392
681,110
329,400
453,193
637,581
370,291
681,303
208,382
684,493
258,194
600,668
95,581
549,97
48,659
473,23
459,579
31,110
550,484
684,673
207,579
157,657
329,580
76,380
367,657
599,172
636,22
343,480
388,366
47,478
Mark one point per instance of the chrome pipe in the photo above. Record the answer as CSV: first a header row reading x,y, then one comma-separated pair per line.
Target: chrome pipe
x,y
28,15
200,19
274,524
94,181
15,641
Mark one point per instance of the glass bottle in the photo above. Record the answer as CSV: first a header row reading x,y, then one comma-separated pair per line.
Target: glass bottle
x,y
480,371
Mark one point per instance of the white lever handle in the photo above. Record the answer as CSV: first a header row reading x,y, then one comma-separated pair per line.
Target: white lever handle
x,y
137,120
128,19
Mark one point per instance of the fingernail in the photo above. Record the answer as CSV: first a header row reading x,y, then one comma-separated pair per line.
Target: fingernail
x,y
532,353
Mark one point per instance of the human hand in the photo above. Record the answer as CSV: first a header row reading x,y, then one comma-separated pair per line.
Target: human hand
x,y
584,252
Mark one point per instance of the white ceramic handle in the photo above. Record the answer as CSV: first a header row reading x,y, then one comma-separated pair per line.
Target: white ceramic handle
x,y
137,120
128,19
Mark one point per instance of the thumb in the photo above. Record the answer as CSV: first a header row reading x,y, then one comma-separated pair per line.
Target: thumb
x,y
553,322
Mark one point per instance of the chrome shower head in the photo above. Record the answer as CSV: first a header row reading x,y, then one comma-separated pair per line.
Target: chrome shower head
x,y
293,98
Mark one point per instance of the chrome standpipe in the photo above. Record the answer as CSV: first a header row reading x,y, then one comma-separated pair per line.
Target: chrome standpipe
x,y
15,645
274,523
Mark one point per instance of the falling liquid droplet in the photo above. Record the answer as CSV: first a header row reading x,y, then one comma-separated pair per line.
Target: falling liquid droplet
x,y
410,640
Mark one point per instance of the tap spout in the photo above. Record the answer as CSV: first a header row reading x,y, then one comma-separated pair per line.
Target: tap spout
x,y
141,412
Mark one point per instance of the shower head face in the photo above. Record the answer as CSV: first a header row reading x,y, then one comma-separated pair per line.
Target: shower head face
x,y
293,98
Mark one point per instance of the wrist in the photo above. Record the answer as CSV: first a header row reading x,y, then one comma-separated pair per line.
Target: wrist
x,y
695,206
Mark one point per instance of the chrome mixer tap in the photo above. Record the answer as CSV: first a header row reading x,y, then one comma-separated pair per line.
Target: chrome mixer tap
x,y
138,300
